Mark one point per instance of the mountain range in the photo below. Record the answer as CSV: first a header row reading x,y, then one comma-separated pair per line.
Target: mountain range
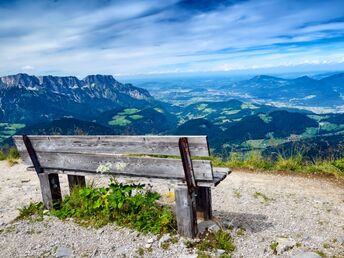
x,y
99,104
30,99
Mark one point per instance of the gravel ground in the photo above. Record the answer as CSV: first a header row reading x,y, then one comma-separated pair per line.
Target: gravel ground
x,y
301,214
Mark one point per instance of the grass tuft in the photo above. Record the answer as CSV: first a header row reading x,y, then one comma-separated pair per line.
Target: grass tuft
x,y
294,163
11,155
33,212
212,241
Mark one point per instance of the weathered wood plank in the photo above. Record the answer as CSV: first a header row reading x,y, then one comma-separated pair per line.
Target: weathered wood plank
x,y
185,212
166,145
203,202
51,191
74,181
116,164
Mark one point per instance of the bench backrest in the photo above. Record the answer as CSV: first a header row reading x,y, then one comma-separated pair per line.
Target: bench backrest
x,y
122,155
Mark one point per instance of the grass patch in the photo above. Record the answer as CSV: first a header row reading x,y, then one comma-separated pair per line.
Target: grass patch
x,y
129,111
11,155
119,121
135,117
261,196
127,205
212,241
33,212
294,163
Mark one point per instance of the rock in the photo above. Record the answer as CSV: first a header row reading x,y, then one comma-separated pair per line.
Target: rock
x,y
208,225
307,255
151,240
340,240
148,246
219,252
214,228
188,256
164,238
228,224
63,251
284,244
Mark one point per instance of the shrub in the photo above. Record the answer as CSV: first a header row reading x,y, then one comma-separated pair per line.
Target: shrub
x,y
127,205
292,163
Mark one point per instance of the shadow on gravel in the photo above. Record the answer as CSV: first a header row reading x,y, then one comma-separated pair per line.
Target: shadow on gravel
x,y
251,222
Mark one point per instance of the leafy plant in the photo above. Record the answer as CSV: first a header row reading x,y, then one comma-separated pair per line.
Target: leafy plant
x,y
211,241
127,205
33,212
273,247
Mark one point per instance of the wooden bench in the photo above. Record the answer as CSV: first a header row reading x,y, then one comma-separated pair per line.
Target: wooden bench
x,y
128,156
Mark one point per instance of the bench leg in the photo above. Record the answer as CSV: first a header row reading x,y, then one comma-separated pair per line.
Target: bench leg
x,y
186,212
203,202
76,181
51,191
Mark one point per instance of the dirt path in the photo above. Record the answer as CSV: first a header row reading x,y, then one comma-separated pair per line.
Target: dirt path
x,y
261,209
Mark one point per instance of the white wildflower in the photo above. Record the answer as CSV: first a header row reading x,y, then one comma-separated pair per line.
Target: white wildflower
x,y
120,165
104,168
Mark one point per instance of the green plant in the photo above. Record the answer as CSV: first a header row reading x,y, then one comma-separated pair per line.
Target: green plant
x,y
33,212
273,247
321,253
241,231
212,241
127,205
292,163
237,194
2,155
261,196
140,251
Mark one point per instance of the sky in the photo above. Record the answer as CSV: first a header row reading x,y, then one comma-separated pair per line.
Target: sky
x,y
154,37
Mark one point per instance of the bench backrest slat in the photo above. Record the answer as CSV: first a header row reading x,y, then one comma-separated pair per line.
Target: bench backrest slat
x,y
130,166
88,153
166,145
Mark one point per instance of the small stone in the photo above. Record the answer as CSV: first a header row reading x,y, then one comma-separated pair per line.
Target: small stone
x,y
219,252
208,225
307,255
63,251
214,228
45,212
150,241
164,238
284,244
25,180
340,240
148,246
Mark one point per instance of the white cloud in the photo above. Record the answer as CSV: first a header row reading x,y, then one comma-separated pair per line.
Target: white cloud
x,y
130,37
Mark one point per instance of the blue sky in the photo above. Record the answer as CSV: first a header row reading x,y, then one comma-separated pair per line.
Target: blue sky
x,y
65,37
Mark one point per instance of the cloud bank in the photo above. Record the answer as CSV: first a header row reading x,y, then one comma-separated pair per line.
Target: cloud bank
x,y
147,37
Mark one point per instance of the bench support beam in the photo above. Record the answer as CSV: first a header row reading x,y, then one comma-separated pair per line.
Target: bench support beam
x,y
185,212
51,191
203,202
74,181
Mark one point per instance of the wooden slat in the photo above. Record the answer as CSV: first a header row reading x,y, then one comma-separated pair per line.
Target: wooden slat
x,y
165,145
134,166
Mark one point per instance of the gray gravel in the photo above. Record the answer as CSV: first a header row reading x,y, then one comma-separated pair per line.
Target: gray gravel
x,y
302,215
